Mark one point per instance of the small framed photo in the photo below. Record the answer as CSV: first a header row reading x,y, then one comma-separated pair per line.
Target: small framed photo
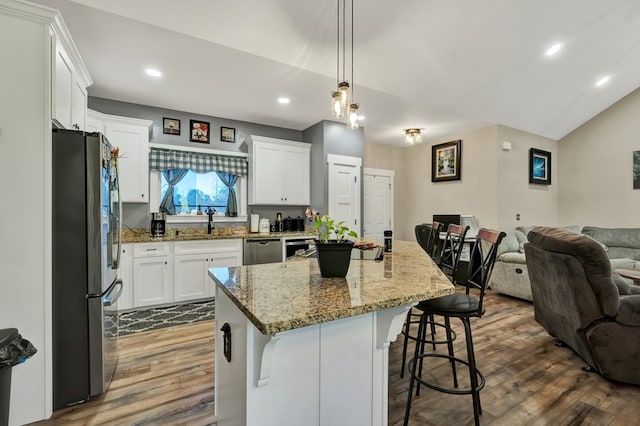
x,y
539,167
227,134
199,131
170,126
446,161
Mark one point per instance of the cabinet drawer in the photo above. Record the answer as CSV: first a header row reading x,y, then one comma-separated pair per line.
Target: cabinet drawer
x,y
151,249
209,246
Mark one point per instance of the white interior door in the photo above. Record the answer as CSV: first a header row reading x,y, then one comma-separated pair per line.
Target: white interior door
x,y
344,190
378,203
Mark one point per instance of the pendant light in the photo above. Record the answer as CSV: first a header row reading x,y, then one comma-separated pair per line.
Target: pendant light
x,y
341,102
412,136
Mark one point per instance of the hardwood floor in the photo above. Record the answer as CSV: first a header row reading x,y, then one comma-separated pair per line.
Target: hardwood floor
x,y
166,377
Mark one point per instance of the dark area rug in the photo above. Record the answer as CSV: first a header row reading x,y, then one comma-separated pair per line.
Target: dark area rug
x,y
151,319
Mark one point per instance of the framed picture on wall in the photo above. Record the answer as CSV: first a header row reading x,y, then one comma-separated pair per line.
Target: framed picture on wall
x,y
636,169
446,161
199,131
539,167
170,126
227,134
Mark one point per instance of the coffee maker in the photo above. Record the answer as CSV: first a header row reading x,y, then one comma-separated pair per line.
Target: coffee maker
x,y
158,224
279,223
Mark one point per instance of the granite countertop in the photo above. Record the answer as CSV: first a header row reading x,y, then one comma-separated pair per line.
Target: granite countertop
x,y
278,297
142,235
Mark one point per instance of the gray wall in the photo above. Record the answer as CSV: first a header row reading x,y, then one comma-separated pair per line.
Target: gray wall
x,y
329,137
136,215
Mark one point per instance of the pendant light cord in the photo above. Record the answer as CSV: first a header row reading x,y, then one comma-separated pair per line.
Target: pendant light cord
x,y
352,81
338,42
344,39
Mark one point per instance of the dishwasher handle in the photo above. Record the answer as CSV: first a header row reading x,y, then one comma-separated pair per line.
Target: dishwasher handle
x,y
263,241
296,243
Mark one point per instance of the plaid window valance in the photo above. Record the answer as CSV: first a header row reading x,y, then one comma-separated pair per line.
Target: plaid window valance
x,y
168,159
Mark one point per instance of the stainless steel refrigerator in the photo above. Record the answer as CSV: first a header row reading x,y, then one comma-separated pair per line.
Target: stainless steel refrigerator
x,y
86,230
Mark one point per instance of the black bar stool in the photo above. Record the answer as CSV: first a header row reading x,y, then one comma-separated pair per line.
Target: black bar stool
x,y
428,237
463,306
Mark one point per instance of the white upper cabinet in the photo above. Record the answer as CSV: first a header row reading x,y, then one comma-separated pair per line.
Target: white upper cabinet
x,y
131,137
70,82
279,172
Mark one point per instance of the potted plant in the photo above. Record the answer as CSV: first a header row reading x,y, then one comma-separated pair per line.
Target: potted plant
x,y
334,254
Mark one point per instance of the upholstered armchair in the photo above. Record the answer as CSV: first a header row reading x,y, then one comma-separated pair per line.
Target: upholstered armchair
x,y
578,300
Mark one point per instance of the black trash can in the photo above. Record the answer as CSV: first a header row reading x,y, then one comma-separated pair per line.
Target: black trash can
x,y
13,350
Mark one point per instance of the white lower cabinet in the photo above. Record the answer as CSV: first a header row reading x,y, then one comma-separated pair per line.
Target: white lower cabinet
x,y
190,277
166,272
192,259
152,274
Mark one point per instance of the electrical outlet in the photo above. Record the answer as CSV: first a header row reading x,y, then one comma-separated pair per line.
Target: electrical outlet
x,y
517,216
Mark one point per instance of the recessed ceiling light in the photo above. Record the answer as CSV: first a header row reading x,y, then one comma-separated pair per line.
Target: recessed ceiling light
x,y
284,100
361,117
153,73
603,81
554,49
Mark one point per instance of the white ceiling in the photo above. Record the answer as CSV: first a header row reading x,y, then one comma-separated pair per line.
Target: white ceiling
x,y
444,66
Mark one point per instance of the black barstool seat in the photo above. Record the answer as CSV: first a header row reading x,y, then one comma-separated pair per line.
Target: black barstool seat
x,y
453,305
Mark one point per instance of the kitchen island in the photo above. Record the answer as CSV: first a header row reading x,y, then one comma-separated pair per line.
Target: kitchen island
x,y
293,348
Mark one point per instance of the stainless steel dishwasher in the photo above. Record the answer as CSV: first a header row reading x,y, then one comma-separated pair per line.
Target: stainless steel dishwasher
x,y
262,250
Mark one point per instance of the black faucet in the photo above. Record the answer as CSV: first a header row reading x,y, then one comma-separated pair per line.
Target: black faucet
x,y
210,226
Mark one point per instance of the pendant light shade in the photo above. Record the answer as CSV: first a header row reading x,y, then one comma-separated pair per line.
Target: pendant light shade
x,y
337,110
353,116
343,89
412,136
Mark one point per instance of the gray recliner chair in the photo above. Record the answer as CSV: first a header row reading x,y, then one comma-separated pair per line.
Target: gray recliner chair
x,y
578,300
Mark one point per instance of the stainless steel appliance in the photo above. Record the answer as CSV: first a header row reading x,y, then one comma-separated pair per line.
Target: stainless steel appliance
x,y
262,250
86,232
291,246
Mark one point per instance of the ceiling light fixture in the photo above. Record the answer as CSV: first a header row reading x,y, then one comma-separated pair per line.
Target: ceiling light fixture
x,y
153,73
341,100
412,136
603,81
554,49
283,100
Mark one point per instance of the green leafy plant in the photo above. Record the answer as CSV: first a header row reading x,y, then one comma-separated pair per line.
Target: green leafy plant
x,y
327,227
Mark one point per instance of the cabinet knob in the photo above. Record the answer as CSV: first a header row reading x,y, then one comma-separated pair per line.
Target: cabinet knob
x,y
165,262
142,195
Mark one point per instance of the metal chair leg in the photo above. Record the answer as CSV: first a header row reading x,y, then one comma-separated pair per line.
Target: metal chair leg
x,y
433,331
475,393
411,382
447,323
407,325
422,335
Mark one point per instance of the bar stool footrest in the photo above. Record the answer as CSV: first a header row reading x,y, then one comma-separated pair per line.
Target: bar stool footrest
x,y
453,391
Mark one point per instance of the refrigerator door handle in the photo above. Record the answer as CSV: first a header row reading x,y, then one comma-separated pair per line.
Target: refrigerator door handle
x,y
119,216
110,300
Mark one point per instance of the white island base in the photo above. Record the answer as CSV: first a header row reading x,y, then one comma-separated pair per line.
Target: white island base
x,y
333,373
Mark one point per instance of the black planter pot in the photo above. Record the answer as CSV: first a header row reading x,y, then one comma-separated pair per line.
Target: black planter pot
x,y
334,258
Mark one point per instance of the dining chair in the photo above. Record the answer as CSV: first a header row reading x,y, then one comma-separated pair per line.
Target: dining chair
x,y
462,305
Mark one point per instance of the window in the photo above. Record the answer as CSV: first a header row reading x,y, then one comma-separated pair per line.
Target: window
x,y
198,191
183,181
